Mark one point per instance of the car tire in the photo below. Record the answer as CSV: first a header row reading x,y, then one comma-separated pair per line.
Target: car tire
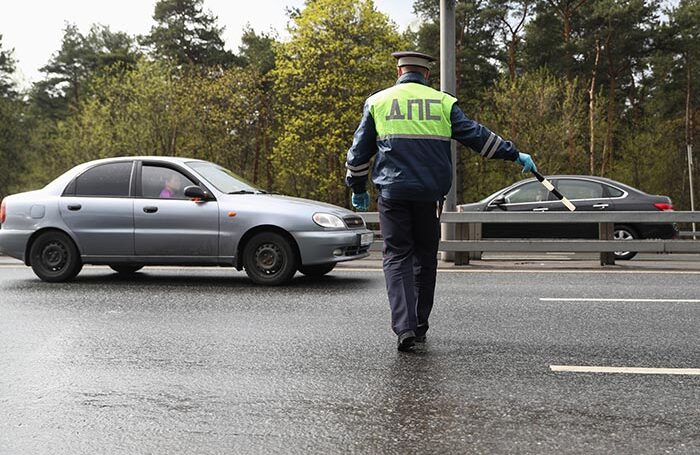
x,y
54,257
269,259
317,270
623,232
125,269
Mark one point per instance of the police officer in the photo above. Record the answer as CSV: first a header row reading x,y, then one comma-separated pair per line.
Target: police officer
x,y
409,128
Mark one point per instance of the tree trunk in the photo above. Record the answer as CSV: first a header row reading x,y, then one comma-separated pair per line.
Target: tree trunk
x,y
688,107
591,109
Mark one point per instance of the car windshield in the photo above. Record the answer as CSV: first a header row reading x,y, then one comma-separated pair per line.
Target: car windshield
x,y
222,179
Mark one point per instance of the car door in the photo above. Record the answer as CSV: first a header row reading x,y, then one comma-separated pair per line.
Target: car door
x,y
97,208
528,197
587,196
168,224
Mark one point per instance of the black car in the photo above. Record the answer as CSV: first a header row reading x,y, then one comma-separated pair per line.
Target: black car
x,y
588,194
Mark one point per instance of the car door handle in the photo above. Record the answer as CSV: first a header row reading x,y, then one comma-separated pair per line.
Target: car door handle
x,y
600,206
150,209
540,209
74,207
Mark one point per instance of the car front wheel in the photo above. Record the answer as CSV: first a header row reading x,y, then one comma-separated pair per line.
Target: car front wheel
x,y
624,233
317,270
269,259
54,257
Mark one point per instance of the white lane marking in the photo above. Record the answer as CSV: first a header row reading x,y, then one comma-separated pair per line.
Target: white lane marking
x,y
625,370
607,272
566,299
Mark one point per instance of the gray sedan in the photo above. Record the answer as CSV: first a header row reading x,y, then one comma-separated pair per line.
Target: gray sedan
x,y
131,212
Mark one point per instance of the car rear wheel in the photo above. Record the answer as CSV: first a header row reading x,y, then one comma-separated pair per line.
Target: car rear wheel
x,y
317,270
54,257
125,269
269,259
624,233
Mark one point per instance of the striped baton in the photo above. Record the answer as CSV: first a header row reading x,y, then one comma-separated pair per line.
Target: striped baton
x,y
547,184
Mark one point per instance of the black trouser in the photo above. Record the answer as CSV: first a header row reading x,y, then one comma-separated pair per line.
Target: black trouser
x,y
411,231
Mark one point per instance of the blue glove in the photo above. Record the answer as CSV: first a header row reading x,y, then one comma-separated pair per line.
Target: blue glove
x,y
526,161
361,201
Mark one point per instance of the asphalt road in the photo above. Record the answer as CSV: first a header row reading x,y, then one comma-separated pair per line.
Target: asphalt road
x,y
202,361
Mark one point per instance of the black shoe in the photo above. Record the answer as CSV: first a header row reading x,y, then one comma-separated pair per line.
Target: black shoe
x,y
420,339
406,341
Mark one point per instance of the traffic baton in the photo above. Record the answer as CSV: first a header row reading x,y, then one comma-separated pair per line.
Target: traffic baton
x,y
547,184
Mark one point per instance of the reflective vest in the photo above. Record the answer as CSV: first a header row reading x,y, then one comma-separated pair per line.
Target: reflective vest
x,y
414,131
412,111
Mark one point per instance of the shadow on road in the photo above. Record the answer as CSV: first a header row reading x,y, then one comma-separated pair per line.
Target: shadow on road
x,y
181,279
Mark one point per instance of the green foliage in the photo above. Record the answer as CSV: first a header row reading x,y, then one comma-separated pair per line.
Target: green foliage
x,y
80,58
7,68
476,48
157,110
533,111
186,35
13,135
338,54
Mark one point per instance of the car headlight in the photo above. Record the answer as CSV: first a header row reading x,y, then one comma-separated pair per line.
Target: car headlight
x,y
327,220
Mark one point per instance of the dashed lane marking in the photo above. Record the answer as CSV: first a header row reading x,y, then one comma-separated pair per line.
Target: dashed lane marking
x,y
564,299
623,370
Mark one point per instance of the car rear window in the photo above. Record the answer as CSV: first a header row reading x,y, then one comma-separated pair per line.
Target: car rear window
x,y
112,179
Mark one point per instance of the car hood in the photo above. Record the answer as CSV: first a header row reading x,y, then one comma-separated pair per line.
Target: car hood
x,y
287,204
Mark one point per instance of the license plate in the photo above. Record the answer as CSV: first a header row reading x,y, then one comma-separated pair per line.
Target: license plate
x,y
366,239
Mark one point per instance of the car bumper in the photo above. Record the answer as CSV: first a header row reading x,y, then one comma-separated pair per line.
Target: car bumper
x,y
321,247
14,243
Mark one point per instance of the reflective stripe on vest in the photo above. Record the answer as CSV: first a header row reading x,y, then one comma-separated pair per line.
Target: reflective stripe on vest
x,y
412,111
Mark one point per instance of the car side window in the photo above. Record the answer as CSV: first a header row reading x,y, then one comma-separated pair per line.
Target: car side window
x,y
579,189
111,179
614,192
163,183
529,192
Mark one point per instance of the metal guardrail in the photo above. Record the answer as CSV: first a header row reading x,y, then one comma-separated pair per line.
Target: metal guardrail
x,y
557,217
469,243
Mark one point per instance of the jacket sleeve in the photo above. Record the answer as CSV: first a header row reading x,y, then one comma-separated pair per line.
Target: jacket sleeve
x,y
479,138
363,148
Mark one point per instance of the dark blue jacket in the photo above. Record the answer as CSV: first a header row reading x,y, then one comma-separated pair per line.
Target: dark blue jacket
x,y
416,168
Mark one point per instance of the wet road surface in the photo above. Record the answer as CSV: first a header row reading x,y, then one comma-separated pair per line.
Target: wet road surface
x,y
202,361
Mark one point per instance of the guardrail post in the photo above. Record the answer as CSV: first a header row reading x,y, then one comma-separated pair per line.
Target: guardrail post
x,y
474,234
462,257
606,232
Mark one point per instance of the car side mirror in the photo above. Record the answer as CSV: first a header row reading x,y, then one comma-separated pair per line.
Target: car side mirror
x,y
195,192
499,202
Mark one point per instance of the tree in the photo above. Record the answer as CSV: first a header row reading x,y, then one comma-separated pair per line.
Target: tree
x,y
186,35
338,53
257,50
512,16
155,109
80,58
7,68
533,111
623,56
12,130
476,45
